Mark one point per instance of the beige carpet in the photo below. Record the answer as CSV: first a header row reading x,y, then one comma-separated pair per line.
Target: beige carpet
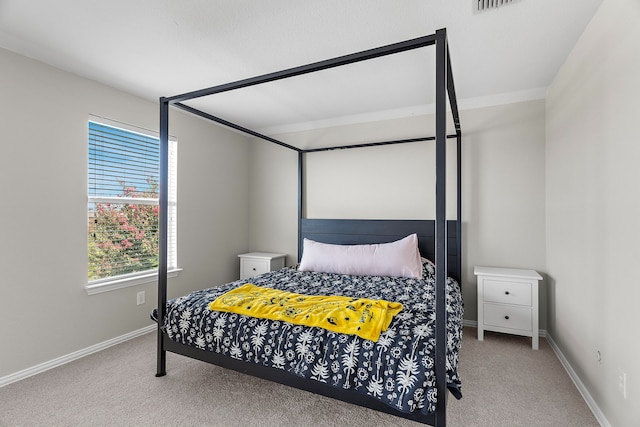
x,y
505,383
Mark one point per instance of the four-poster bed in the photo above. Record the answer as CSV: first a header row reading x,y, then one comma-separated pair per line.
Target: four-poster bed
x,y
439,240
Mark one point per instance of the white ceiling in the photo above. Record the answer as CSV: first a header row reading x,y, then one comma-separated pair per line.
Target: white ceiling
x,y
155,48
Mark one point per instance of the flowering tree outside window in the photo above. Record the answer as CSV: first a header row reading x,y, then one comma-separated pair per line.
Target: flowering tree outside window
x,y
123,238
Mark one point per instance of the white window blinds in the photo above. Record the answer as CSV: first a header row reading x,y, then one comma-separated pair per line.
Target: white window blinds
x,y
123,202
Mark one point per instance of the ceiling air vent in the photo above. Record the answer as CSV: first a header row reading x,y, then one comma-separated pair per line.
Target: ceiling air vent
x,y
482,5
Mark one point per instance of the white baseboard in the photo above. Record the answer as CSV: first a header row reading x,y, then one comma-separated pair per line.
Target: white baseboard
x,y
470,323
579,384
26,373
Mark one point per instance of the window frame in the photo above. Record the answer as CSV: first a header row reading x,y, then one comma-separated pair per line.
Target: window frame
x,y
136,278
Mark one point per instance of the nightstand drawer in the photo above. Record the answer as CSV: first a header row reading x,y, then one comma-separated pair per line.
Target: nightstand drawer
x,y
507,292
507,316
253,267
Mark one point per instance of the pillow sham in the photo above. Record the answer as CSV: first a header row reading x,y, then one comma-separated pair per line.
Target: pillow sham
x,y
395,259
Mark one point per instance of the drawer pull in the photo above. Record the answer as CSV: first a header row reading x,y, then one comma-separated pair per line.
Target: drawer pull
x,y
254,269
506,317
506,292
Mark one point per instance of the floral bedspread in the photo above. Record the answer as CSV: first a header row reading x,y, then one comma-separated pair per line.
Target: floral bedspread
x,y
398,369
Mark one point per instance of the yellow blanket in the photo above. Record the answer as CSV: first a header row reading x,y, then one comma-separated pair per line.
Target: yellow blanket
x,y
363,317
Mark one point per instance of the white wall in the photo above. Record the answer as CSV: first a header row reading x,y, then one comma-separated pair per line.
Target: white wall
x,y
503,185
44,309
593,206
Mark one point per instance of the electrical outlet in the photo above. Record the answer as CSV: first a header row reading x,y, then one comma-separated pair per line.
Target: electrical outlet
x,y
622,383
140,298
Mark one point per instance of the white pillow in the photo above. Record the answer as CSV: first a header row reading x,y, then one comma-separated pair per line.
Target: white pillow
x,y
396,259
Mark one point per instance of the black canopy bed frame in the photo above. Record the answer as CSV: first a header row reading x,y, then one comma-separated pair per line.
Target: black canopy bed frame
x,y
440,240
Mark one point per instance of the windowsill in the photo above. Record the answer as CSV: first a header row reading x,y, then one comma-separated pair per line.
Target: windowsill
x,y
125,282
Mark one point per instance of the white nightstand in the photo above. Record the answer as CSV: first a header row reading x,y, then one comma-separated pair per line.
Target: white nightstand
x,y
255,263
508,302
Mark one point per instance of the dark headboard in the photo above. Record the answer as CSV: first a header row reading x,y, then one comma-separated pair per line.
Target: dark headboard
x,y
368,231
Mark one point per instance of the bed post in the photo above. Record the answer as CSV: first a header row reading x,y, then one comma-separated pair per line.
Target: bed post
x,y
459,213
300,194
163,230
441,228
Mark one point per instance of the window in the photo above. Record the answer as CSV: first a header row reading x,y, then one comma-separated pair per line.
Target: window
x,y
124,174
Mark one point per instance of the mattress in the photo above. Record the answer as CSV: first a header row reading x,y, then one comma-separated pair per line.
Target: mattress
x,y
397,370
